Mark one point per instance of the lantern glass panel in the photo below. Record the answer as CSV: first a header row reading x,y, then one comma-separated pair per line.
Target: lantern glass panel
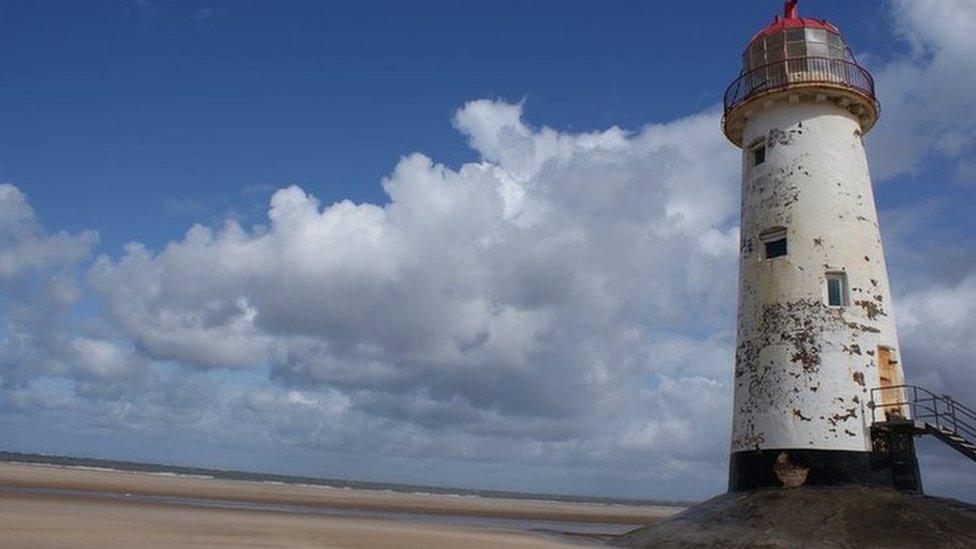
x,y
816,35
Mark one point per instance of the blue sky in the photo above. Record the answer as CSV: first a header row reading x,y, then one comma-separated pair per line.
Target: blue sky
x,y
492,308
190,109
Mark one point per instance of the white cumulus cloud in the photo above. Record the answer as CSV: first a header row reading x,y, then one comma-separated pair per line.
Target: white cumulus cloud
x,y
534,295
929,110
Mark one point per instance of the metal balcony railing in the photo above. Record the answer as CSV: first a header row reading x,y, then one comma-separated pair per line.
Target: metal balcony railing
x,y
801,70
939,411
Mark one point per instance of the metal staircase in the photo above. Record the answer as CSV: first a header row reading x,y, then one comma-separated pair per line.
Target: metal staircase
x,y
912,409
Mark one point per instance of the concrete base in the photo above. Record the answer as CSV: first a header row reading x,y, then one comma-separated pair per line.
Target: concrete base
x,y
814,517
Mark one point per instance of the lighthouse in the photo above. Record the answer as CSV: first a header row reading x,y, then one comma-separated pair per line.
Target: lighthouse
x,y
816,328
820,398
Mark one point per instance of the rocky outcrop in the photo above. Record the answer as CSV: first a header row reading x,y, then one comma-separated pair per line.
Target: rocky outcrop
x,y
814,518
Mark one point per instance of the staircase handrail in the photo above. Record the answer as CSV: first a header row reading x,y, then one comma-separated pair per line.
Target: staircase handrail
x,y
941,411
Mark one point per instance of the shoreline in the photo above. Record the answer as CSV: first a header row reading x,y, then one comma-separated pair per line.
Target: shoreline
x,y
188,471
30,476
168,504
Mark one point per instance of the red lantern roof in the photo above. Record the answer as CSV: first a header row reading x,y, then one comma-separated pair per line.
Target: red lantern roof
x,y
791,20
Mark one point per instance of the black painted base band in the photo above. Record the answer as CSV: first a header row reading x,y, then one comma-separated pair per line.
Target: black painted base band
x,y
894,465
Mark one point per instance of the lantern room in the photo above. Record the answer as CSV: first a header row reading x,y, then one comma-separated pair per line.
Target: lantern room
x,y
794,37
798,58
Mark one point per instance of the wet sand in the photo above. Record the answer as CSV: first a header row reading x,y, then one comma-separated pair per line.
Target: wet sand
x,y
54,506
45,522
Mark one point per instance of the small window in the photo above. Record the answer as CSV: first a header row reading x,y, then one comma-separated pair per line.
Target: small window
x,y
776,248
759,154
836,289
774,242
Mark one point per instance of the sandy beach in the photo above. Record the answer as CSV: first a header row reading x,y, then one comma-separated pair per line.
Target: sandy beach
x,y
51,506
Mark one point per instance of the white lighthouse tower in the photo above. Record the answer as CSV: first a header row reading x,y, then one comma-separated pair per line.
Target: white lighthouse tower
x,y
816,329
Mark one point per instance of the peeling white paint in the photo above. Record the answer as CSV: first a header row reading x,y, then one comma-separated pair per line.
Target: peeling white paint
x,y
804,369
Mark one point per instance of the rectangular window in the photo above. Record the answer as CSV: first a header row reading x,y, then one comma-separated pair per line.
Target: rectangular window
x,y
758,154
836,289
776,248
774,243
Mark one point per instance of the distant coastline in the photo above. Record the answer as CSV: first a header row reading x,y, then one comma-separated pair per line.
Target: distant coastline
x,y
252,476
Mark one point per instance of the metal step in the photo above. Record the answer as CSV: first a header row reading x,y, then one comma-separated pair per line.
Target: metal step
x,y
925,413
957,442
